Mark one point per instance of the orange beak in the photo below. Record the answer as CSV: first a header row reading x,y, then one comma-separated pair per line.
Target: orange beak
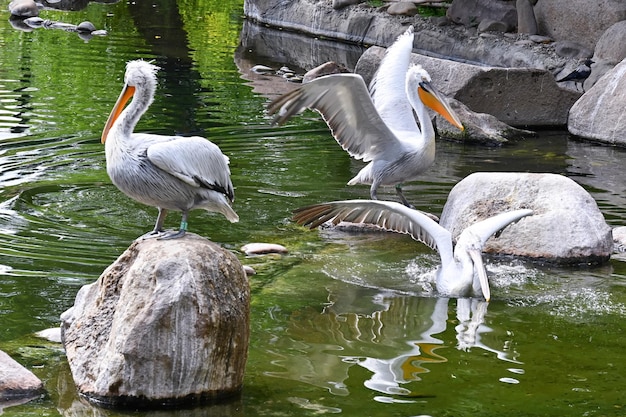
x,y
126,94
435,100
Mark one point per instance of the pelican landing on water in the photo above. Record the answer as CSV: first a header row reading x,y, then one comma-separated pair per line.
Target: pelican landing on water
x,y
167,172
462,272
381,128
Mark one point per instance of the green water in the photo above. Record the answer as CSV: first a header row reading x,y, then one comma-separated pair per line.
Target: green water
x,y
343,324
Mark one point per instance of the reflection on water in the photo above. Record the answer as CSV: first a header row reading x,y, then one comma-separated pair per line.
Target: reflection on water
x,y
398,339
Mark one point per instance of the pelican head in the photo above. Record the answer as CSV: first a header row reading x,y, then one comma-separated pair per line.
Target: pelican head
x,y
419,79
139,75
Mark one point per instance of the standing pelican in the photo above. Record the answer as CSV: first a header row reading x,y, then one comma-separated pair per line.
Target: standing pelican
x,y
380,129
456,277
167,172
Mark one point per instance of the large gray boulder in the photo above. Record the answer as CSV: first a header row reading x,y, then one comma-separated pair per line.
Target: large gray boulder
x,y
581,21
610,51
17,384
600,113
566,228
166,323
509,94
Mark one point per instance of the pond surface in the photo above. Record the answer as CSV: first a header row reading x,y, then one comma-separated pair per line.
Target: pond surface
x,y
343,324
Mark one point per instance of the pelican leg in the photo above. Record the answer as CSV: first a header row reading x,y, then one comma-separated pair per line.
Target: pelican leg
x,y
181,231
158,227
373,189
402,198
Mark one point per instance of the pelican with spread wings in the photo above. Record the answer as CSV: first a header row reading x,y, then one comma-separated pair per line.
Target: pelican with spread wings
x,y
461,273
379,128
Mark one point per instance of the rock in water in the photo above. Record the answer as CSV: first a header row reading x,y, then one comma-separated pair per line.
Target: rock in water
x,y
566,227
166,324
16,382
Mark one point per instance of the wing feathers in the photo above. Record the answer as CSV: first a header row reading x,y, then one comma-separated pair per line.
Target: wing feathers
x,y
385,214
345,105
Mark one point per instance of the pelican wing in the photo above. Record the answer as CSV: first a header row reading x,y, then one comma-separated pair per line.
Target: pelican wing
x,y
388,89
386,214
480,231
194,160
345,104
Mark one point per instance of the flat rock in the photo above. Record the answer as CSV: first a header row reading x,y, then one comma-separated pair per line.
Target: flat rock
x,y
263,248
566,228
17,382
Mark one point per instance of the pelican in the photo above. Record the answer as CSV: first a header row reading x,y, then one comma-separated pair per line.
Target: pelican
x,y
167,172
381,128
461,274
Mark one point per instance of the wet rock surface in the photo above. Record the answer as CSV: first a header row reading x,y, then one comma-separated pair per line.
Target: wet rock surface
x,y
567,226
166,324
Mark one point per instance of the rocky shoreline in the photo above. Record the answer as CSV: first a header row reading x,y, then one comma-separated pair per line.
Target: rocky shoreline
x,y
473,63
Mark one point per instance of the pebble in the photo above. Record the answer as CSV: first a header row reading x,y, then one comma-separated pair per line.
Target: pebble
x,y
540,39
262,69
263,248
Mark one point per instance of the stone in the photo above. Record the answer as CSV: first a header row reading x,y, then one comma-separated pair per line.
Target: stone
x,y
541,39
600,113
405,8
51,335
472,12
579,21
263,248
340,4
610,51
166,324
17,382
23,8
619,239
488,25
509,94
526,21
567,226
611,46
572,50
326,68
480,128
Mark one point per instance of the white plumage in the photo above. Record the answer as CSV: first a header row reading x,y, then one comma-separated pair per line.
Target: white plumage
x,y
461,274
168,172
381,128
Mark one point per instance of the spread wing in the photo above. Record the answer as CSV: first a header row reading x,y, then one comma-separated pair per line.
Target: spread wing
x,y
476,235
345,104
386,214
194,160
388,87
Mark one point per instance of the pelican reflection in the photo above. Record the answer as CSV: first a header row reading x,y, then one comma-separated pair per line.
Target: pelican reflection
x,y
398,339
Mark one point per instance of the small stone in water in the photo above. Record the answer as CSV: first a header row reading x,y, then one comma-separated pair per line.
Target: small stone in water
x,y
261,69
52,335
263,248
